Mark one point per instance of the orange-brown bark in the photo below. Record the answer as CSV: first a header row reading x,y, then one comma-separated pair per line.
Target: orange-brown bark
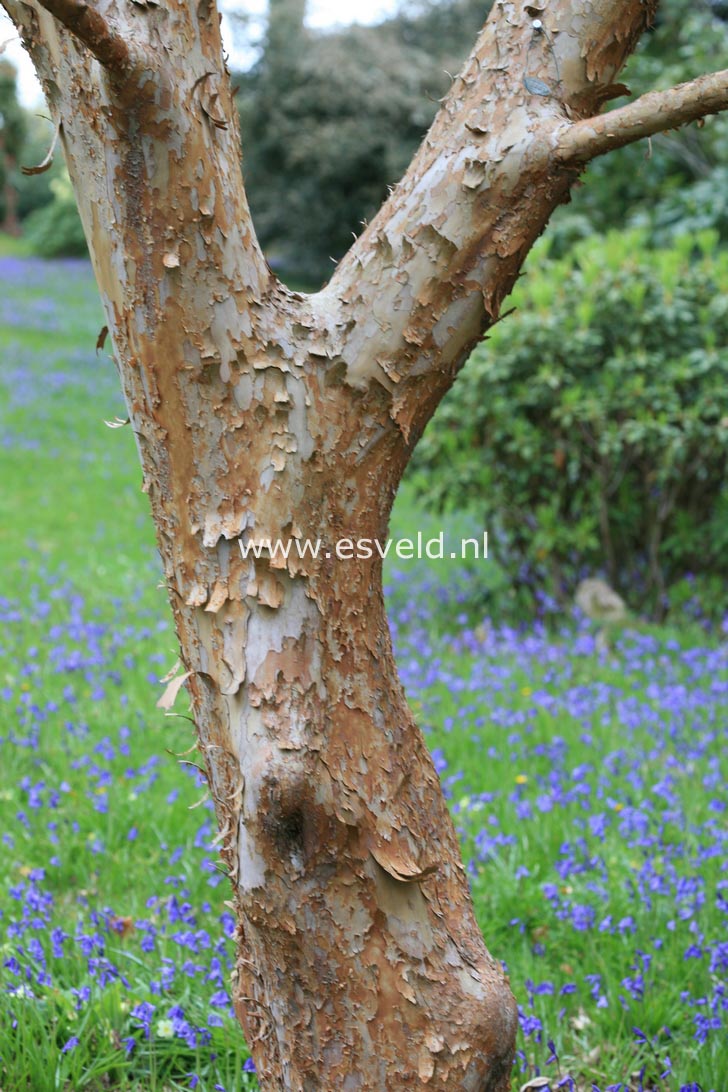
x,y
261,413
650,114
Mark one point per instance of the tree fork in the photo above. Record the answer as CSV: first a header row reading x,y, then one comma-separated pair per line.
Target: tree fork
x,y
263,414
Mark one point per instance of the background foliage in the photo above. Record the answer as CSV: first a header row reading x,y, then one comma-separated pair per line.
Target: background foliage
x,y
54,229
676,181
591,428
12,137
350,107
330,121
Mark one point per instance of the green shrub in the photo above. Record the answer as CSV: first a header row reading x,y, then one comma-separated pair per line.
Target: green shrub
x,y
591,428
54,230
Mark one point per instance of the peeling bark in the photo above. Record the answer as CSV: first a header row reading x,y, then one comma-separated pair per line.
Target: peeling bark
x,y
263,414
650,114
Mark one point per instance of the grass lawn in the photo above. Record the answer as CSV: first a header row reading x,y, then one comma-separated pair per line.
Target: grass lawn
x,y
589,788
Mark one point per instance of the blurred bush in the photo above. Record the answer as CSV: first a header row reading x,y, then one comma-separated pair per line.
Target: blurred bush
x,y
13,126
330,122
54,230
331,119
40,205
591,428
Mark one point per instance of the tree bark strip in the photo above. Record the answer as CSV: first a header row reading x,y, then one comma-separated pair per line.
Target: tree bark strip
x,y
263,414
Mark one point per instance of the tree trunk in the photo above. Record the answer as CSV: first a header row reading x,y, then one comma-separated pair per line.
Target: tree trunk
x,y
261,414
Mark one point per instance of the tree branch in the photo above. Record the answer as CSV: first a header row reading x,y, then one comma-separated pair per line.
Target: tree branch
x,y
650,114
92,30
429,273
